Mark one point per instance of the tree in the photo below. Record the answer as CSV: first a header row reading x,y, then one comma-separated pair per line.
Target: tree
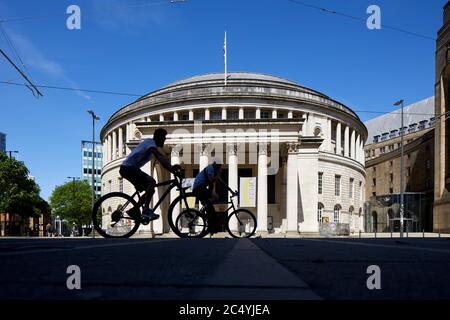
x,y
72,202
19,194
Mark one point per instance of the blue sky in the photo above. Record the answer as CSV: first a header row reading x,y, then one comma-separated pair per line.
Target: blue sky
x,y
137,47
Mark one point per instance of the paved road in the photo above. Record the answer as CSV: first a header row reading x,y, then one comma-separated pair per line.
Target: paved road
x,y
225,268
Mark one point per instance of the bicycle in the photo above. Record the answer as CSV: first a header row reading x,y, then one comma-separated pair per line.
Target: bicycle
x,y
126,217
241,223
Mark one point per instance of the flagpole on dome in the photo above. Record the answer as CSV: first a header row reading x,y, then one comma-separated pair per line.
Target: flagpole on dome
x,y
225,56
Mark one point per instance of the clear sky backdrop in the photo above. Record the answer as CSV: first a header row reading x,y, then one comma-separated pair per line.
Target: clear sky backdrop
x,y
132,47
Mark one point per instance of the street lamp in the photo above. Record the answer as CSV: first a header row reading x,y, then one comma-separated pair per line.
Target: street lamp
x,y
11,152
402,207
94,117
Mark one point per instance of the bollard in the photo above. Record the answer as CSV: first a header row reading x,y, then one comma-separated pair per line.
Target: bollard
x,y
375,234
391,234
407,233
360,234
423,233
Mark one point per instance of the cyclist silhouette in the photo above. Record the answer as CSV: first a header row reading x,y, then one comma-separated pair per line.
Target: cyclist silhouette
x,y
142,154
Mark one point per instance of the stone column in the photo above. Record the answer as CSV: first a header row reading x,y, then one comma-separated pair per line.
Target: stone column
x,y
328,136
233,175
161,118
347,142
108,148
241,113
308,168
339,139
175,116
292,188
262,188
258,113
290,115
358,148
120,142
114,145
158,225
363,154
204,155
353,145
207,114
224,114
175,159
104,148
274,114
191,115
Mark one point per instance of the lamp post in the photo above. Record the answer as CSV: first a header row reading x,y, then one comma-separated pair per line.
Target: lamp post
x,y
94,117
11,152
402,208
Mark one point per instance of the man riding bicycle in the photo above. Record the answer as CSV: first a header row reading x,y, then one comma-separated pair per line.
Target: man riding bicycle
x,y
203,189
142,154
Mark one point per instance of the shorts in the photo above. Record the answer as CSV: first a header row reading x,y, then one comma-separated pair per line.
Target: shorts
x,y
137,177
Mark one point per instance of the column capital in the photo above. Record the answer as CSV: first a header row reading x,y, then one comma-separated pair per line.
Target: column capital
x,y
175,149
204,148
293,147
263,148
232,148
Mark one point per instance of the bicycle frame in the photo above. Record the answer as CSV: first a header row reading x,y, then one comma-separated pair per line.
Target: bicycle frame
x,y
177,182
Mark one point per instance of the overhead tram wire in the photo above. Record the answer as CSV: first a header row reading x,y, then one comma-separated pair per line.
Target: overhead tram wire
x,y
104,8
330,11
31,85
11,45
141,95
75,89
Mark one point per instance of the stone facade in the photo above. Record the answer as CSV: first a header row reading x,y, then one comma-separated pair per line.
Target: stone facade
x,y
442,145
259,126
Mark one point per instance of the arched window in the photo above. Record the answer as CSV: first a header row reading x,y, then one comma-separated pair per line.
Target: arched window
x,y
337,213
320,209
374,221
351,211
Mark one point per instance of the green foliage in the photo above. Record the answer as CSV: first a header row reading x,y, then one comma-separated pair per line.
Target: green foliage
x,y
18,193
72,201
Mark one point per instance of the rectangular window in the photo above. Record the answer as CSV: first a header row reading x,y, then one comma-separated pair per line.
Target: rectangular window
x,y
408,171
350,188
185,117
391,190
233,114
249,114
216,115
374,182
320,183
271,189
391,178
264,115
120,185
337,186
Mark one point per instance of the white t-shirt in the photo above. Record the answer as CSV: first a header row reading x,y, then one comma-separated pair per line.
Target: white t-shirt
x,y
140,155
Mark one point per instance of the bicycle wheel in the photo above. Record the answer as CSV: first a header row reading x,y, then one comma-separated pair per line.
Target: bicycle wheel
x,y
112,216
190,223
241,224
177,206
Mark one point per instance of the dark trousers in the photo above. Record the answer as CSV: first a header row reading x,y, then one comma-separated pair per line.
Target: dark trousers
x,y
203,194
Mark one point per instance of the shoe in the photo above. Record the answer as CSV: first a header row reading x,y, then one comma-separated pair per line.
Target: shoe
x,y
134,213
149,215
